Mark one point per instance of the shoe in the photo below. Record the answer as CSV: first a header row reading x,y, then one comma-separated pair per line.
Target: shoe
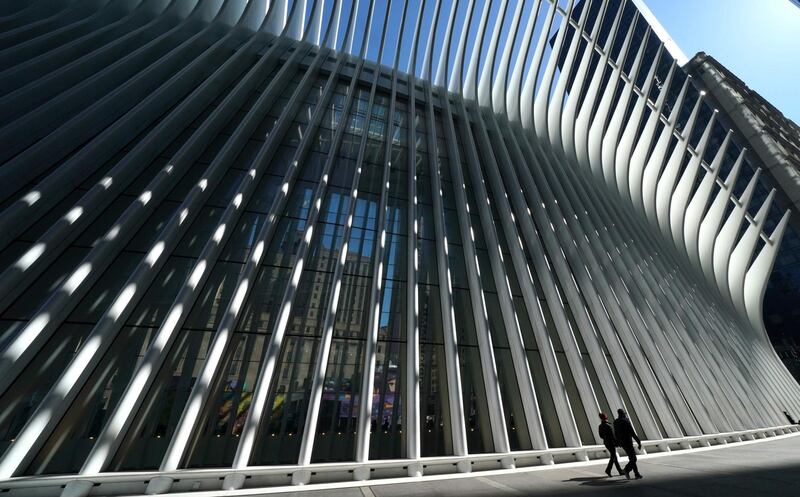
x,y
608,473
639,477
621,473
628,475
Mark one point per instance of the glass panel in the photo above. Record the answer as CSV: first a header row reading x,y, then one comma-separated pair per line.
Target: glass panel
x,y
310,301
73,438
352,316
338,413
516,426
435,435
386,422
211,303
584,428
262,306
243,237
147,438
280,433
479,428
92,307
20,401
199,232
29,301
218,429
157,301
552,426
392,323
324,251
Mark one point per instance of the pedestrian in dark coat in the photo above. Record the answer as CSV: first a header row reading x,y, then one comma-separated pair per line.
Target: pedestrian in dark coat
x,y
607,434
625,435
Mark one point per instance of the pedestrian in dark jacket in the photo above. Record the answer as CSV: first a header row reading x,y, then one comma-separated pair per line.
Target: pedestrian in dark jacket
x,y
625,435
607,434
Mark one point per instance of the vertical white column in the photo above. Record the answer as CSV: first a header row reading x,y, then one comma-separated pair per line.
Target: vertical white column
x,y
679,202
455,397
571,110
527,95
697,205
633,129
709,227
583,122
332,306
611,138
202,388
557,102
413,414
512,96
641,152
658,157
497,267
370,350
600,127
665,187
488,367
743,252
723,246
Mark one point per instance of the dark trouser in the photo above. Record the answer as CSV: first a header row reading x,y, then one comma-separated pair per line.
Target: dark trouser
x,y
631,453
613,461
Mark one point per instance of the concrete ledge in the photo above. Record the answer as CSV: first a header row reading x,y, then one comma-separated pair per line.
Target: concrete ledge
x,y
299,478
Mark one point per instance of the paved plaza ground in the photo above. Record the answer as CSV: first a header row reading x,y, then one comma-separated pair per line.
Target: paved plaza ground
x,y
768,468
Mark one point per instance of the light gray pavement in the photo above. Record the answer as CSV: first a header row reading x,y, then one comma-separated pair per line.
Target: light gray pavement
x,y
768,468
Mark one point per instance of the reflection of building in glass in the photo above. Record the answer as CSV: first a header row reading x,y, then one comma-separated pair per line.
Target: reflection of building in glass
x,y
224,232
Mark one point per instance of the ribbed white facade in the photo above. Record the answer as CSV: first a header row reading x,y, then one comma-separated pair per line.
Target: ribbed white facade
x,y
226,223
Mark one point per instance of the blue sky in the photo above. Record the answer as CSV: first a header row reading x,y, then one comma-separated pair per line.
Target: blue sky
x,y
759,40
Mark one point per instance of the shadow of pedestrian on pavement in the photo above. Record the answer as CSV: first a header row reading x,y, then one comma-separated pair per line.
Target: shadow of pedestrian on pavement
x,y
596,481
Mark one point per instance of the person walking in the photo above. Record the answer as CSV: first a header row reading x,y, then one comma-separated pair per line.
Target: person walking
x,y
607,434
625,435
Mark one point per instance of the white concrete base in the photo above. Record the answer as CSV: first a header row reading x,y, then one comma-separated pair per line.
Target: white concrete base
x,y
158,485
77,488
361,473
547,459
464,467
233,481
508,463
302,477
415,470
